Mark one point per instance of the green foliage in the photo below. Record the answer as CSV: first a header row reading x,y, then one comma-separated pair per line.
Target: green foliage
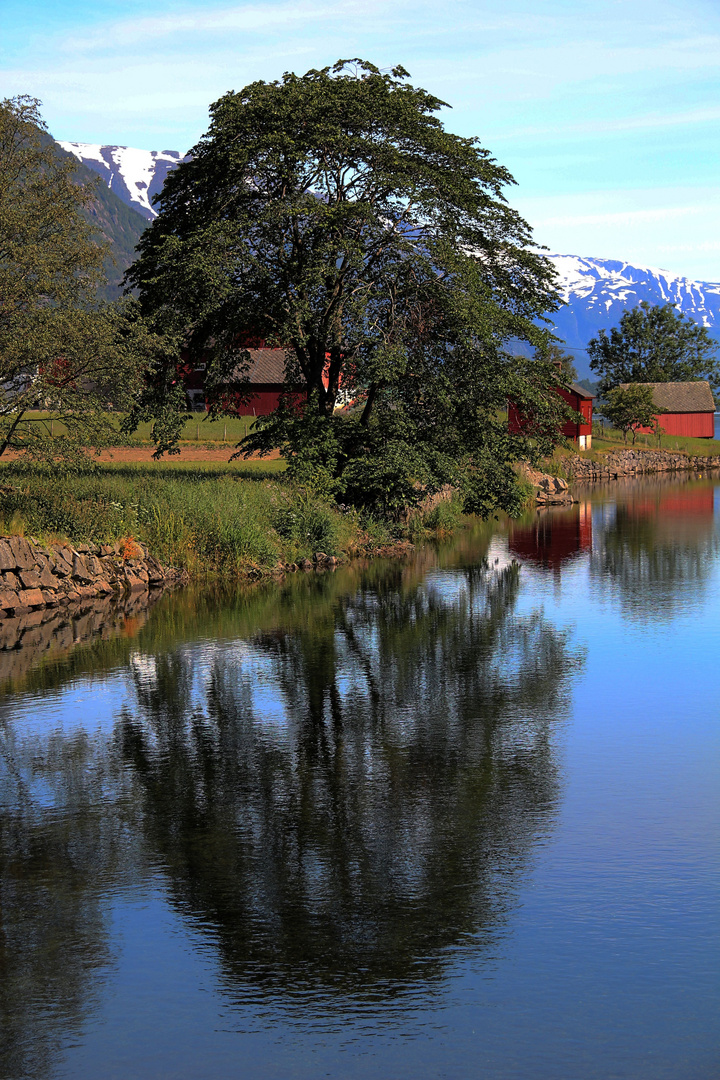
x,y
653,344
196,518
555,354
308,523
332,214
61,349
630,408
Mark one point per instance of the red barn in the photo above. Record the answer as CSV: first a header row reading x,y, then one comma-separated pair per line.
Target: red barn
x,y
690,408
580,400
266,375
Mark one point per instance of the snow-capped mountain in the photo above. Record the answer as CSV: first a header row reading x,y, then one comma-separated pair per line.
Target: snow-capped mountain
x,y
134,175
598,291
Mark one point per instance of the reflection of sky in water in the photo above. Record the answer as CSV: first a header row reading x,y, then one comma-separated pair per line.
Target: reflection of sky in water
x,y
603,959
89,704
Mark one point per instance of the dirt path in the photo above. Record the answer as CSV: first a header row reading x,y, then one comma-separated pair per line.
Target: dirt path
x,y
188,452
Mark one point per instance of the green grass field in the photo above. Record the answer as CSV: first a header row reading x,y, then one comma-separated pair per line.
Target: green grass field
x,y
608,439
197,428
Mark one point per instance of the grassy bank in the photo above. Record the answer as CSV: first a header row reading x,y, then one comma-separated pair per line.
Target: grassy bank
x,y
206,519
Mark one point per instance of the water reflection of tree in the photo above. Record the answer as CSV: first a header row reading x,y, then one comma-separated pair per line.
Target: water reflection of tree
x,y
60,846
356,789
656,549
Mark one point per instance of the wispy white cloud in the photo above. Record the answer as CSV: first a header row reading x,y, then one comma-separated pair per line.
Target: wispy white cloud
x,y
671,227
624,217
619,125
194,24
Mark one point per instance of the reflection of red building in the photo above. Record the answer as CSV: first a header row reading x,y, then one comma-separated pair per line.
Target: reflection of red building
x,y
578,431
677,517
553,537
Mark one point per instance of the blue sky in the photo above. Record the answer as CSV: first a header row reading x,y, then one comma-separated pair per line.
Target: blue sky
x,y
606,112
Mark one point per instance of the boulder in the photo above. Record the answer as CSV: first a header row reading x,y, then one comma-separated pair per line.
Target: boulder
x,y
30,579
80,570
30,598
7,559
22,552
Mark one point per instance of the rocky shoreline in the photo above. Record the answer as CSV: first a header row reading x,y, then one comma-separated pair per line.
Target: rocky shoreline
x,y
619,464
34,577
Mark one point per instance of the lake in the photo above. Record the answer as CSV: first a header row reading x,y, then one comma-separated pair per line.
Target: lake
x,y
446,818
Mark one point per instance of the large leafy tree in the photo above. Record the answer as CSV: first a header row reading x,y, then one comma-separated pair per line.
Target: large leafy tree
x,y
653,344
332,214
62,351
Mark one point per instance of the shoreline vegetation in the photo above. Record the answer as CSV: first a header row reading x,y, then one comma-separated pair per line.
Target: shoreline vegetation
x,y
238,520
245,520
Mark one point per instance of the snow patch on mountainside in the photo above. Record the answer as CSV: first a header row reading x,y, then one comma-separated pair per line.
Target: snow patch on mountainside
x,y
134,175
596,293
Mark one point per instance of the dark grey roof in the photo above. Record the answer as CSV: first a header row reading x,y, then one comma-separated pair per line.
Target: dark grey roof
x,y
581,391
680,397
266,366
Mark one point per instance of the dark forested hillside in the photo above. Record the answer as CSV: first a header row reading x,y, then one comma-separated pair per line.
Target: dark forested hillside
x,y
119,225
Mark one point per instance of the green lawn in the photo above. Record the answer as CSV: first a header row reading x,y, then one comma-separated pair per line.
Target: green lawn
x,y
257,469
613,440
197,428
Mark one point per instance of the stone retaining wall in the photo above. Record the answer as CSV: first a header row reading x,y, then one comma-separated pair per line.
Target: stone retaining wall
x,y
33,576
621,463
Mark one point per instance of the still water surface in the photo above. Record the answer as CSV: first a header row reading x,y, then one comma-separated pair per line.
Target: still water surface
x,y
442,819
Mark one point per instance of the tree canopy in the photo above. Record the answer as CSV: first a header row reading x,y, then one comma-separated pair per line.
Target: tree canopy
x,y
653,344
333,215
631,408
61,349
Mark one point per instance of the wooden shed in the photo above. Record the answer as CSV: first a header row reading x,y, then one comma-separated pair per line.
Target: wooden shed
x,y
580,400
690,407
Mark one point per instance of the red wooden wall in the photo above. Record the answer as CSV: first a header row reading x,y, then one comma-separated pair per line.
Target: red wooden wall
x,y
698,425
570,430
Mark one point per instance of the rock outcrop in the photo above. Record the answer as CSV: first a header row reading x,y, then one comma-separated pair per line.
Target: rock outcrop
x,y
33,576
629,462
549,490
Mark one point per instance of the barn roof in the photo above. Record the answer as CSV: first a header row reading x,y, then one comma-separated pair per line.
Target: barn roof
x,y
680,397
266,366
581,391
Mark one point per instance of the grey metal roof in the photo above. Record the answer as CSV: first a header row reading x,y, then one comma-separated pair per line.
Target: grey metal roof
x,y
680,397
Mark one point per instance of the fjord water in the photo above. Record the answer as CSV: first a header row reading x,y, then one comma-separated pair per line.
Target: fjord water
x,y
452,817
